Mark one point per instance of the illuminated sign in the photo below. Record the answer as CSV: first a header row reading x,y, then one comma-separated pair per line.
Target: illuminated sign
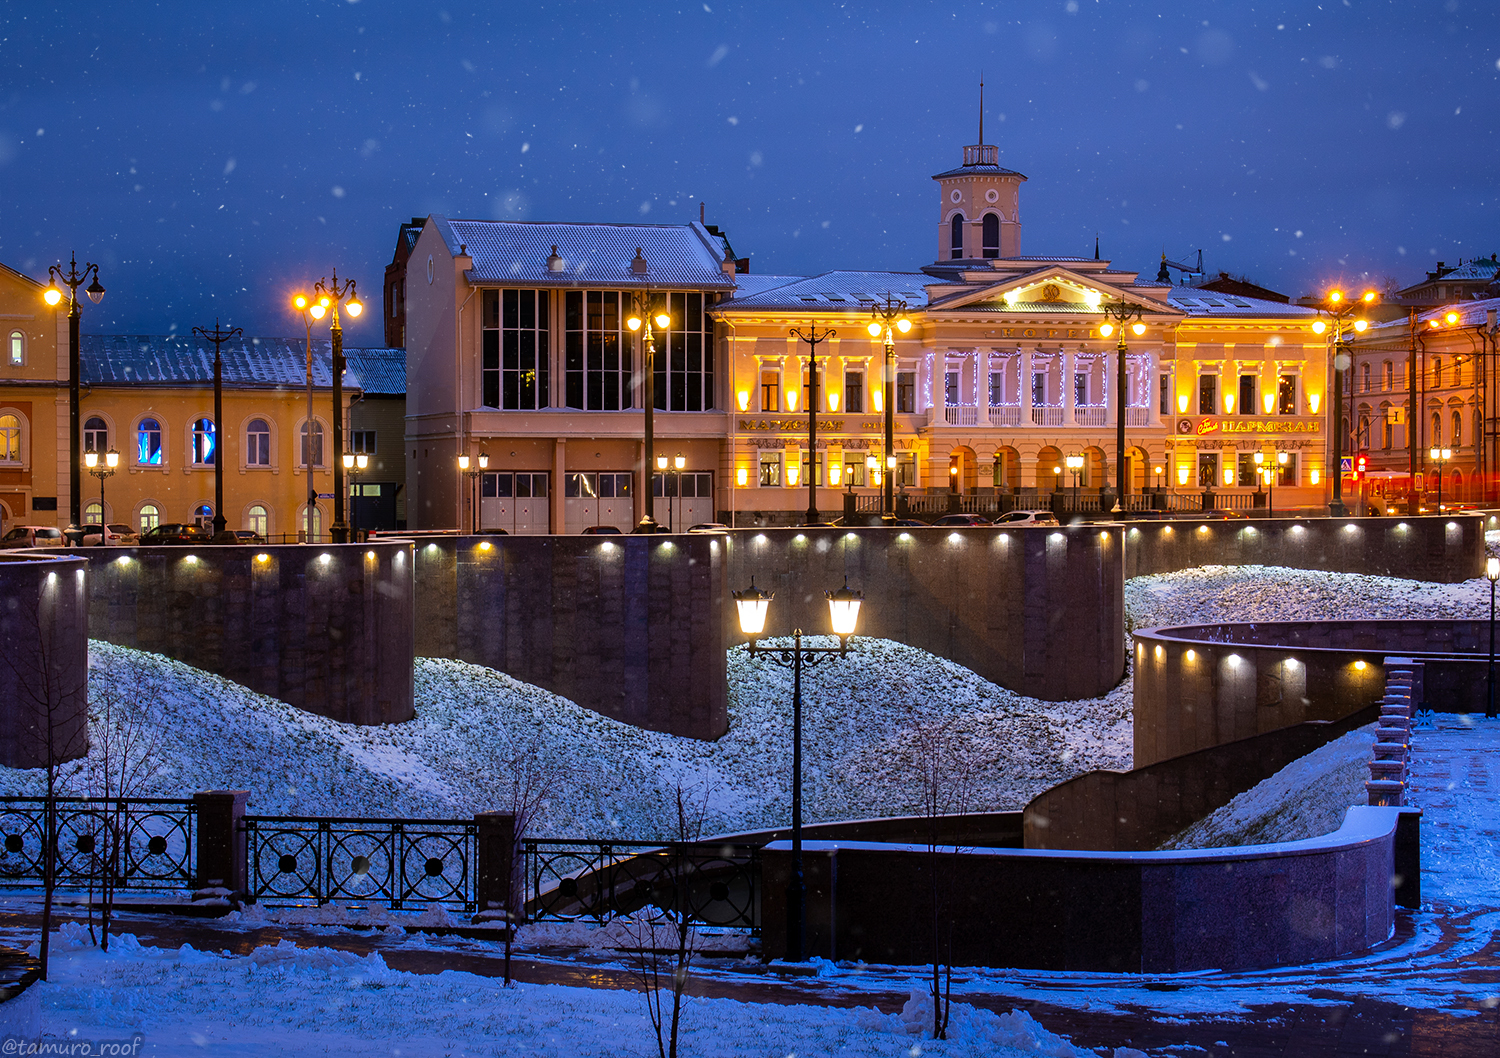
x,y
800,425
1248,426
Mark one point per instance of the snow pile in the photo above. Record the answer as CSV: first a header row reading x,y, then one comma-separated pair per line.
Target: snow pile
x,y
613,779
1306,799
287,1000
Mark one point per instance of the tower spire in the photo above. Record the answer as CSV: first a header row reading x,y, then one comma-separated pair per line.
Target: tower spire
x,y
981,106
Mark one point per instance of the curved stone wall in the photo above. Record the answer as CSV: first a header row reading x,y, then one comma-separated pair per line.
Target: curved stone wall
x,y
327,628
44,658
1444,549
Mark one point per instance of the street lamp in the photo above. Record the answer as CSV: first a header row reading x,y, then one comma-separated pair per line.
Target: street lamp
x,y
843,612
354,462
1339,309
482,464
103,470
327,296
678,462
1116,316
53,296
1440,456
812,338
310,310
1158,472
218,337
1075,464
886,320
1492,571
643,314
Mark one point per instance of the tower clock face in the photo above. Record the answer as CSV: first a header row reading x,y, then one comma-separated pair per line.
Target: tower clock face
x,y
1051,292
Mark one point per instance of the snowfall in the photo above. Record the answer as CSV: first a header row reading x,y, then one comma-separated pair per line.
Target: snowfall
x,y
862,725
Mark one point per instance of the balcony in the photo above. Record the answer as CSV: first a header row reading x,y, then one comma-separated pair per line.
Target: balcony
x,y
1090,415
961,415
1137,416
1005,415
1045,416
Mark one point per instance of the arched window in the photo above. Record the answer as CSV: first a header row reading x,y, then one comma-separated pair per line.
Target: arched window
x,y
312,522
991,235
1364,378
1458,430
205,443
1388,375
258,444
1437,372
1437,430
95,435
148,444
93,513
259,519
150,516
203,514
15,349
10,439
317,444
1386,430
957,237
1363,440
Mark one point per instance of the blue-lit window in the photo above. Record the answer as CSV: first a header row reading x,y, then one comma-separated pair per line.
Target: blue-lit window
x,y
148,443
205,443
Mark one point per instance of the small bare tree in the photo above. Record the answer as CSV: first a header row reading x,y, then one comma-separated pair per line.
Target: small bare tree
x,y
946,769
668,969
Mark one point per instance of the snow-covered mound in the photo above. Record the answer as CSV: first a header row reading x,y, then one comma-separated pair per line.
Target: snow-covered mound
x,y
195,731
1306,799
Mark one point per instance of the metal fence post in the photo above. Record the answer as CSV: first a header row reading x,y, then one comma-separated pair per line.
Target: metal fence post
x,y
221,840
494,860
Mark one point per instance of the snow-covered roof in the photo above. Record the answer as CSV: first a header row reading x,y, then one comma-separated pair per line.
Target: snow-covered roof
x,y
381,372
1196,302
186,360
593,255
745,285
838,292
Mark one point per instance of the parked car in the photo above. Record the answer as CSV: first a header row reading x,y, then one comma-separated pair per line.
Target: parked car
x,y
33,536
1200,516
602,530
176,533
1027,518
247,536
962,519
116,534
708,527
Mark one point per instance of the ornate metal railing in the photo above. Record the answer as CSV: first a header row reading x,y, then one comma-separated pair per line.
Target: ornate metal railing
x,y
390,861
156,850
600,880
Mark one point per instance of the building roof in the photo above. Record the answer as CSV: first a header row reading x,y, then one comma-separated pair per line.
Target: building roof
x,y
381,372
1197,303
1470,313
186,360
593,255
745,285
837,292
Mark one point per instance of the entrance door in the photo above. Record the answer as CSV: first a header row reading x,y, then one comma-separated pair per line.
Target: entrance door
x,y
515,501
598,499
683,499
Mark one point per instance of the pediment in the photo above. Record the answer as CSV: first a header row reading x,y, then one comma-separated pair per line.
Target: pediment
x,y
1050,287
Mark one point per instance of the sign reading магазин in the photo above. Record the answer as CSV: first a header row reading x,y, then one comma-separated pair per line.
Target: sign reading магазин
x,y
1248,425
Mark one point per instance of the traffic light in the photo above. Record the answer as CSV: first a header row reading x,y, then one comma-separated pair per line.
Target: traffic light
x,y
1361,462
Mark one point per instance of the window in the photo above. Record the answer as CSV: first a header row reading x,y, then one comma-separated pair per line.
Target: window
x,y
258,520
807,398
770,390
684,376
514,372
311,521
1437,429
997,388
1286,473
1387,375
906,392
950,388
317,444
817,469
205,443
203,514
956,237
1458,431
10,439
148,443
1364,377
1080,389
258,444
1437,372
1386,429
505,485
93,513
854,392
1245,470
1247,395
1039,389
596,486
1208,400
150,516
16,349
1286,395
1164,402
991,238
362,442
688,484
906,469
770,469
854,472
1208,467
95,435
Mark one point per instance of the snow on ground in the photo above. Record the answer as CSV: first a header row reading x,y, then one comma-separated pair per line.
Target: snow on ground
x,y
290,1000
1306,799
1455,775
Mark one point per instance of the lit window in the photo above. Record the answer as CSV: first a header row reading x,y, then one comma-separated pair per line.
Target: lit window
x,y
205,443
203,514
150,516
148,443
259,521
16,349
10,439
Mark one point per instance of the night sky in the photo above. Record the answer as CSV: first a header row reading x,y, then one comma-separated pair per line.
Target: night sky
x,y
213,157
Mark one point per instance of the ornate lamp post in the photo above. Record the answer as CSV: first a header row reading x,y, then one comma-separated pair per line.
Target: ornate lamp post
x,y
102,470
310,310
354,462
812,338
843,611
1116,316
644,313
1075,464
886,320
1492,571
1440,456
1339,310
53,295
328,295
473,475
218,337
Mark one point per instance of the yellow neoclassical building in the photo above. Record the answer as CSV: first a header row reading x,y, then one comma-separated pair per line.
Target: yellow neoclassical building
x,y
1003,376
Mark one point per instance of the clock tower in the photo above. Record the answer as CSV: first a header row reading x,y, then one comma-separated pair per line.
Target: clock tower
x,y
978,210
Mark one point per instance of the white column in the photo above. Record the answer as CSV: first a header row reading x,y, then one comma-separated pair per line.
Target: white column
x,y
1026,387
1111,383
1069,394
1153,398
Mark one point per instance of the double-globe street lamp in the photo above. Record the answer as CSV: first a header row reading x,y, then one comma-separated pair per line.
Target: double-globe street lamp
x,y
644,311
886,320
1116,316
481,464
1339,309
53,295
678,462
326,298
102,466
843,612
1440,456
1075,464
354,463
1268,476
812,338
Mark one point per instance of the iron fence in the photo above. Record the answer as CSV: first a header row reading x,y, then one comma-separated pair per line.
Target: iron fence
x,y
391,861
156,852
600,880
